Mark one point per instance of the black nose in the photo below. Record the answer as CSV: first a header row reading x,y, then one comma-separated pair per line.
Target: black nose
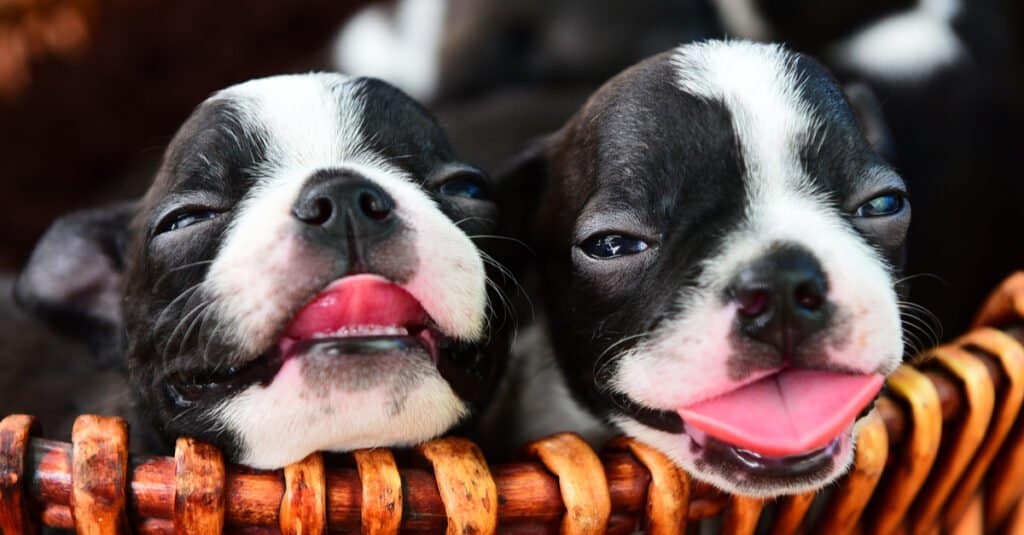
x,y
781,298
343,204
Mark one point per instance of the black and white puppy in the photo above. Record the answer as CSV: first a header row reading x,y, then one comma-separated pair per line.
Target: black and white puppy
x,y
946,75
300,276
718,246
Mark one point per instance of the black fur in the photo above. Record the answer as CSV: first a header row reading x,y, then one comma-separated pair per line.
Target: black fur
x,y
175,357
644,158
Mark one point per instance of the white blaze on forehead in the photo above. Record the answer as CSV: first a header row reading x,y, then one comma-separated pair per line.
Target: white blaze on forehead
x,y
307,119
264,269
758,85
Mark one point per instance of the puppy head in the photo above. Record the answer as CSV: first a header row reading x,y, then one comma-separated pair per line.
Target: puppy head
x,y
719,244
300,276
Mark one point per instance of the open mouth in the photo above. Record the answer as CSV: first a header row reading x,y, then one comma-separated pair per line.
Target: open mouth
x,y
361,314
789,423
766,465
356,316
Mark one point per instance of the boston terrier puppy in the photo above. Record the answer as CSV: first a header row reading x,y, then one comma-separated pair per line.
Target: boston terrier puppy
x,y
719,246
302,275
946,74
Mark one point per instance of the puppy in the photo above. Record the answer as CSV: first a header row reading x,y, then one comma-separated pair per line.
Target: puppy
x,y
301,275
718,245
498,74
921,56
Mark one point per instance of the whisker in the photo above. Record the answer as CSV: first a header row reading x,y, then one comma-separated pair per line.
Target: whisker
x,y
472,218
600,364
927,317
197,321
909,278
179,268
185,319
508,275
506,238
186,293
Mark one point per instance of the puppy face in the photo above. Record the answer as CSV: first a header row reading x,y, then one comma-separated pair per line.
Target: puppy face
x,y
719,245
301,275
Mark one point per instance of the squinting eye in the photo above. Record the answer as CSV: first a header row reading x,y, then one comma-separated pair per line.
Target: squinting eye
x,y
607,246
881,206
463,187
185,219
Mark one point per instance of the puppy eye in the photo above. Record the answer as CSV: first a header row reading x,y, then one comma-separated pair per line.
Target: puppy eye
x,y
185,218
463,186
606,246
881,206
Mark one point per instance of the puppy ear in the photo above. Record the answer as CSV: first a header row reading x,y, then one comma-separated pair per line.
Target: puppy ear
x,y
521,183
73,278
869,116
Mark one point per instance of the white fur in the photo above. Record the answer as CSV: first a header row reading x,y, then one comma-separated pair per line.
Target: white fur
x,y
685,361
263,272
743,19
906,46
280,424
403,48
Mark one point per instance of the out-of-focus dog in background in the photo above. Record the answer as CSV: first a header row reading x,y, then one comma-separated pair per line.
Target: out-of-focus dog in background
x,y
499,74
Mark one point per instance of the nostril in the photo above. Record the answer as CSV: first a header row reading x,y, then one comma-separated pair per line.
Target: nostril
x,y
374,206
808,296
752,303
317,212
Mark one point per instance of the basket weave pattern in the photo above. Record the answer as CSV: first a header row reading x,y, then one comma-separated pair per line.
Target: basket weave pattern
x,y
943,450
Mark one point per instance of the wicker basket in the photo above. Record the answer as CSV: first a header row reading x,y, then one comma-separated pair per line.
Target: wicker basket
x,y
943,451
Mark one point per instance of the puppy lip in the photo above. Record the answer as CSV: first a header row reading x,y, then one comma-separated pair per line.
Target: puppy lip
x,y
358,311
788,466
358,305
362,309
363,346
731,458
363,341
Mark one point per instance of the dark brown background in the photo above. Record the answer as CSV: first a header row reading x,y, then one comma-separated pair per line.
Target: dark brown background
x,y
88,124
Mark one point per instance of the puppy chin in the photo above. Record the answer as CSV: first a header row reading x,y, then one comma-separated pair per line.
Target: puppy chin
x,y
731,478
340,403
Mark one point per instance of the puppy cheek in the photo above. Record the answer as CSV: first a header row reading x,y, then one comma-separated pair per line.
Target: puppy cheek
x,y
254,290
450,281
869,331
661,372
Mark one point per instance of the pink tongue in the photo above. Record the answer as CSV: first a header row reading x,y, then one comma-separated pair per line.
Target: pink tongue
x,y
788,413
357,300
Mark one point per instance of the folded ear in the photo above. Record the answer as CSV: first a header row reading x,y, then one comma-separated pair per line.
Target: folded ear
x,y
521,183
73,278
869,115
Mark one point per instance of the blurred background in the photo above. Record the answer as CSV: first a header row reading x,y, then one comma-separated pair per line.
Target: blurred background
x,y
91,90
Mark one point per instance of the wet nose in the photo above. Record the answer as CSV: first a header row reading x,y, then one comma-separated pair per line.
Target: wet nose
x,y
781,298
343,204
